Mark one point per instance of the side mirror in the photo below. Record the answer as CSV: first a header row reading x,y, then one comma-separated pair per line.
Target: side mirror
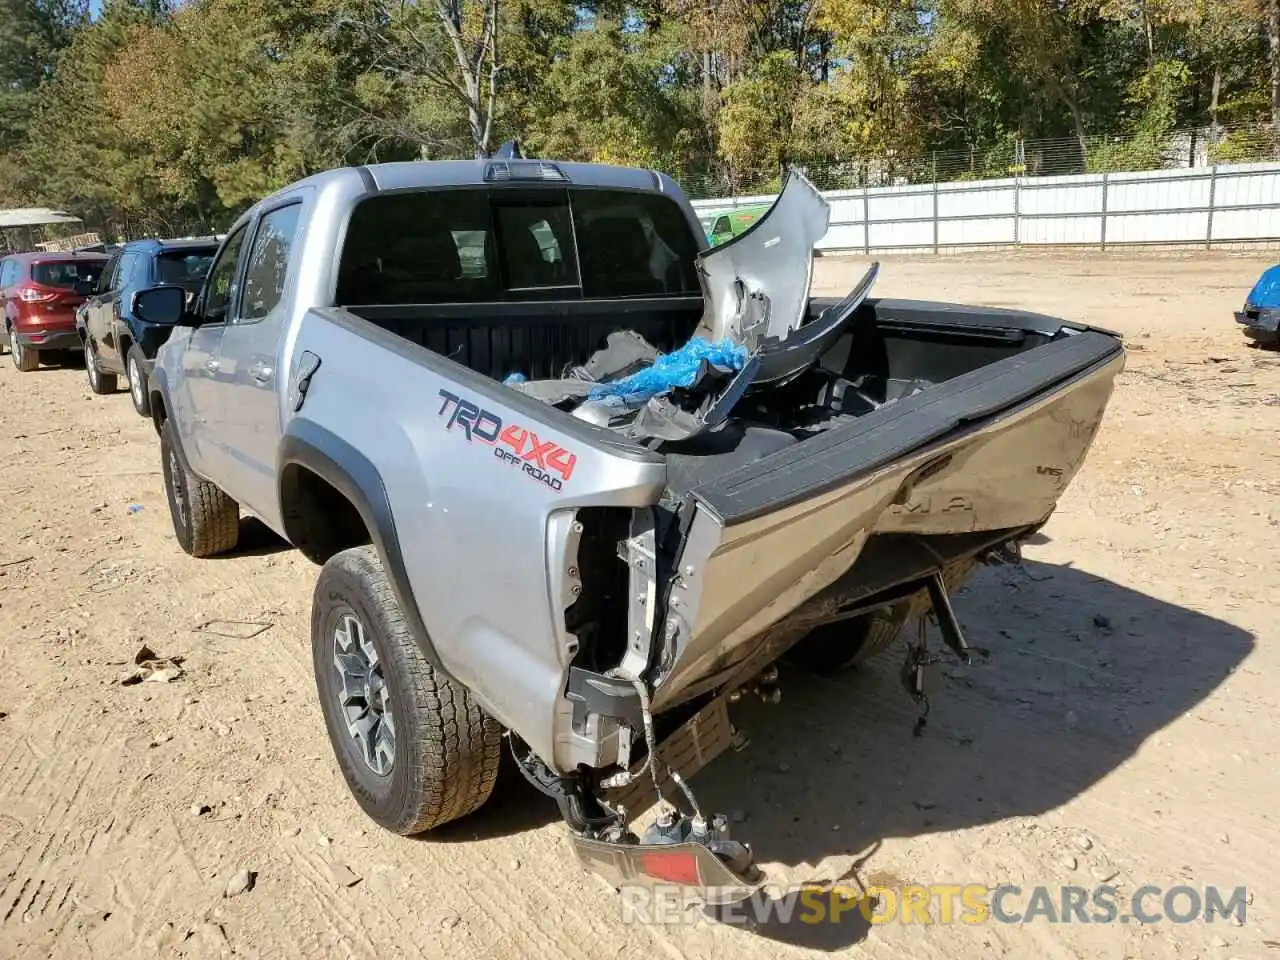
x,y
85,288
162,306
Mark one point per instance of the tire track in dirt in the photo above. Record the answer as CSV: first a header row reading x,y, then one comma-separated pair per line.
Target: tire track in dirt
x,y
62,775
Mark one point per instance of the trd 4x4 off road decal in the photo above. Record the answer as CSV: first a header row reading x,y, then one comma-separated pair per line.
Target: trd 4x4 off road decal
x,y
542,460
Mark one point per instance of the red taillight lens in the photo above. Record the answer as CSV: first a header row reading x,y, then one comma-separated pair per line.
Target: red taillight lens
x,y
677,866
32,295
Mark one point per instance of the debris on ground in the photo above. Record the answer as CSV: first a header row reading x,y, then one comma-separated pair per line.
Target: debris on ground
x,y
234,629
241,882
152,668
200,809
135,508
343,875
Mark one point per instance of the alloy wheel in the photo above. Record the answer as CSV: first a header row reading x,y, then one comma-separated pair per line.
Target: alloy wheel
x,y
364,699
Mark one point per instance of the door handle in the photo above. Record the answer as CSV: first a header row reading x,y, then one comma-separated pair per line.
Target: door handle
x,y
261,372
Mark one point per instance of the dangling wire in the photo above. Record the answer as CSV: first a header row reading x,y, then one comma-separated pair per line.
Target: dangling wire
x,y
651,742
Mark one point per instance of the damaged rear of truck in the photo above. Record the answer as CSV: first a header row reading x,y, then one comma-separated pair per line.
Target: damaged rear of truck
x,y
578,482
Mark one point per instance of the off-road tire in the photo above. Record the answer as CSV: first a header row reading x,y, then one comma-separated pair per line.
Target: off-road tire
x,y
446,749
139,388
24,358
206,521
833,647
99,382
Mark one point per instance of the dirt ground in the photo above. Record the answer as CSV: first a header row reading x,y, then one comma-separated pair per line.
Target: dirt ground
x,y
1123,729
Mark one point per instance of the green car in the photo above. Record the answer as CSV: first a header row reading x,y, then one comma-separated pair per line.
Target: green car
x,y
720,227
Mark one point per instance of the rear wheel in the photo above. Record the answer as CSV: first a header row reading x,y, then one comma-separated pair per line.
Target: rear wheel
x,y
415,747
206,521
24,358
99,382
138,382
837,646
846,643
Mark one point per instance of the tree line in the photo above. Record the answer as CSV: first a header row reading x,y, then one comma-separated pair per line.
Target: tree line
x,y
171,116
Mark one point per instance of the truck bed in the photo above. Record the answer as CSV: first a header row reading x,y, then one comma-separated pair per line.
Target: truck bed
x,y
964,420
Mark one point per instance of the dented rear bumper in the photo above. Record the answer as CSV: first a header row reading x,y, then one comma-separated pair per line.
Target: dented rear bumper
x,y
989,450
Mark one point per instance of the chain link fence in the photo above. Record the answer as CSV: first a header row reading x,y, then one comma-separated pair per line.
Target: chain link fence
x,y
1065,156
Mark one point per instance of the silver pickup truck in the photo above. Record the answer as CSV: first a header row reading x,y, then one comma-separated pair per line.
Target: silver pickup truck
x,y
436,380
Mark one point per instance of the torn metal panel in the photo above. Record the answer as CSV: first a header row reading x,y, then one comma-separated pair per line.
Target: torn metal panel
x,y
780,360
757,284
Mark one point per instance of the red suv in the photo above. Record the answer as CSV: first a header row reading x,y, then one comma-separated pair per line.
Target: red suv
x,y
39,293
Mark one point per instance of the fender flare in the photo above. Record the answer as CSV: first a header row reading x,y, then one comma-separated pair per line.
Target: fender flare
x,y
351,473
158,387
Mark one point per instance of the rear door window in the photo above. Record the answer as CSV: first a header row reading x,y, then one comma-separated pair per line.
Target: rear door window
x,y
476,245
269,261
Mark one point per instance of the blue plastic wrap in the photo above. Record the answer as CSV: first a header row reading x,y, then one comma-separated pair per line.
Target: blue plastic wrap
x,y
511,378
670,370
1266,292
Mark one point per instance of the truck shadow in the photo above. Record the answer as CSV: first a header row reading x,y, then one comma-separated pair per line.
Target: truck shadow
x,y
1081,672
256,540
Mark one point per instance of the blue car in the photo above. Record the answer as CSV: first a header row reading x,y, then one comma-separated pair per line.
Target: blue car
x,y
1261,314
117,342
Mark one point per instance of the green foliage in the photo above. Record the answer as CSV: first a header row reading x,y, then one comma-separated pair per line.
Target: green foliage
x,y
166,116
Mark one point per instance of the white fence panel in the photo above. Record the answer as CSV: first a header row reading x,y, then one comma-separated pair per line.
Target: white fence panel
x,y
1227,203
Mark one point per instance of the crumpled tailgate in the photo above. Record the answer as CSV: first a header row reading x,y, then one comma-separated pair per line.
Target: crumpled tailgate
x,y
992,449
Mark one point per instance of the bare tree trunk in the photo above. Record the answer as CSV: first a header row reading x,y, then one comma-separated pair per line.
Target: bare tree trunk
x,y
1274,35
1214,95
1078,123
1151,39
475,68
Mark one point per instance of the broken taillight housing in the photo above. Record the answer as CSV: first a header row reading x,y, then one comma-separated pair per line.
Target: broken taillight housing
x,y
691,866
673,866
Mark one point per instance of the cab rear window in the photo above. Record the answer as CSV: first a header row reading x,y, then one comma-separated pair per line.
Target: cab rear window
x,y
64,274
477,245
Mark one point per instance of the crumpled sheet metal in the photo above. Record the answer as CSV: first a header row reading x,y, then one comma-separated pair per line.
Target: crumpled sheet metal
x,y
757,284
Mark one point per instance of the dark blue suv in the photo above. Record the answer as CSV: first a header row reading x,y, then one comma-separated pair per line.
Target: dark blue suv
x,y
117,343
